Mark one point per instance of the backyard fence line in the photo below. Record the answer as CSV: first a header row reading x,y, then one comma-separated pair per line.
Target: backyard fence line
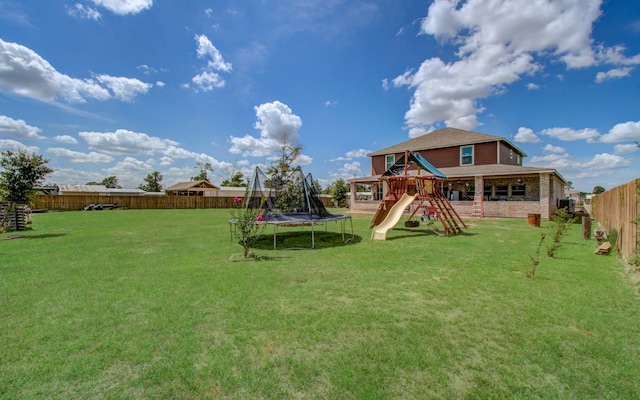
x,y
78,202
617,209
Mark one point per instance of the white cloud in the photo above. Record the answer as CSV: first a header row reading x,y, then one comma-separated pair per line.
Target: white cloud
x,y
549,148
78,157
65,139
497,43
18,128
625,148
622,132
81,11
123,141
357,153
569,134
124,7
25,73
351,169
14,145
533,86
206,49
207,81
275,122
606,161
125,89
526,135
614,73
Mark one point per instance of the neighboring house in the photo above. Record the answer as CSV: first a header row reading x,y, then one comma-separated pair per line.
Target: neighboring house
x,y
193,188
484,173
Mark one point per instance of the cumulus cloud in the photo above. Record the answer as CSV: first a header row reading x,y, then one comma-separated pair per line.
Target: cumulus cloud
x,y
622,132
25,73
569,134
351,169
65,139
625,148
526,135
124,7
123,141
351,154
209,79
18,128
497,43
606,161
277,124
78,157
614,73
14,145
124,89
549,148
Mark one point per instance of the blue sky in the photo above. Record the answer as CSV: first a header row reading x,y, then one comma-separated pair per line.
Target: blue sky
x,y
128,87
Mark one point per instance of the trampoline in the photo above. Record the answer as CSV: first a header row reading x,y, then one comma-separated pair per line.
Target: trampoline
x,y
303,207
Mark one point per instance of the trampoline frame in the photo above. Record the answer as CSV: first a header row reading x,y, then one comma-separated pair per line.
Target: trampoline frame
x,y
301,219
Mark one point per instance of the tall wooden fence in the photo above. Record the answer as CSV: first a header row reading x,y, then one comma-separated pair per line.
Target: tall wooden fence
x,y
618,209
74,203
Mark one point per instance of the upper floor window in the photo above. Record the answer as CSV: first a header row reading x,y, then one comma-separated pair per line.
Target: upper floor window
x,y
466,155
389,160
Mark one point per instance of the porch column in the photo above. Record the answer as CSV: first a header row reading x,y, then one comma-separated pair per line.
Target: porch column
x,y
545,196
352,195
479,185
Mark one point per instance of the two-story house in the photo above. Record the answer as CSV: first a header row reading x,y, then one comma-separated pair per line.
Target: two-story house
x,y
480,167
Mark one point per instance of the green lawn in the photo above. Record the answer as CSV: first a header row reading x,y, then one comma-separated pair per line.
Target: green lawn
x,y
147,304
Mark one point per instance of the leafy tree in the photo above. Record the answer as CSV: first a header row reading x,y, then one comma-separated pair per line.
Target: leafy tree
x,y
339,191
237,180
111,182
287,154
204,168
93,183
598,190
20,173
153,182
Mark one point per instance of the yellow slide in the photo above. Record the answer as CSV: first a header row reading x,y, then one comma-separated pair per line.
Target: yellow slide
x,y
380,231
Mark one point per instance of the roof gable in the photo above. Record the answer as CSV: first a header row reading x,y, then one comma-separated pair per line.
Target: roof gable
x,y
446,137
192,185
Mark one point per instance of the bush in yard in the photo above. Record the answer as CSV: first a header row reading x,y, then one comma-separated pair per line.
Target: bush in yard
x,y
247,226
562,221
20,173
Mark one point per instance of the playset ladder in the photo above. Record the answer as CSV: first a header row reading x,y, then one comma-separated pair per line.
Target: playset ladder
x,y
446,213
478,208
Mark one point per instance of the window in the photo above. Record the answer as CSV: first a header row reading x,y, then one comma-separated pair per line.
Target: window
x,y
518,159
389,160
502,191
466,155
510,154
518,190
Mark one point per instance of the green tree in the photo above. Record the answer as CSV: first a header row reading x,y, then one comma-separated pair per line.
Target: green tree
x,y
153,182
286,155
20,173
111,182
598,190
237,180
204,168
339,191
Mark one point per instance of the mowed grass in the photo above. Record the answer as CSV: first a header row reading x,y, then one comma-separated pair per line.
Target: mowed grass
x,y
131,304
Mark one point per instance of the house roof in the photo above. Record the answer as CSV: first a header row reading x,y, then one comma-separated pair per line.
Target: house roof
x,y
83,188
446,137
192,185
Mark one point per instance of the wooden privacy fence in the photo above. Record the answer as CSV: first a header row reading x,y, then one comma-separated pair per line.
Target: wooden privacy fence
x,y
74,203
617,209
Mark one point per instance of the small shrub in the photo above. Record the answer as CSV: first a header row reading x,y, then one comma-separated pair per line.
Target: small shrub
x,y
612,237
535,259
562,221
247,226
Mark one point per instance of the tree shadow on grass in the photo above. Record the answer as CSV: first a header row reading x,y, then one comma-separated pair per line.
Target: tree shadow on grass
x,y
301,240
413,232
11,236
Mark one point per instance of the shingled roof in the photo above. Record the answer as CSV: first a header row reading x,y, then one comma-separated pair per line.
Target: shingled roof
x,y
446,137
